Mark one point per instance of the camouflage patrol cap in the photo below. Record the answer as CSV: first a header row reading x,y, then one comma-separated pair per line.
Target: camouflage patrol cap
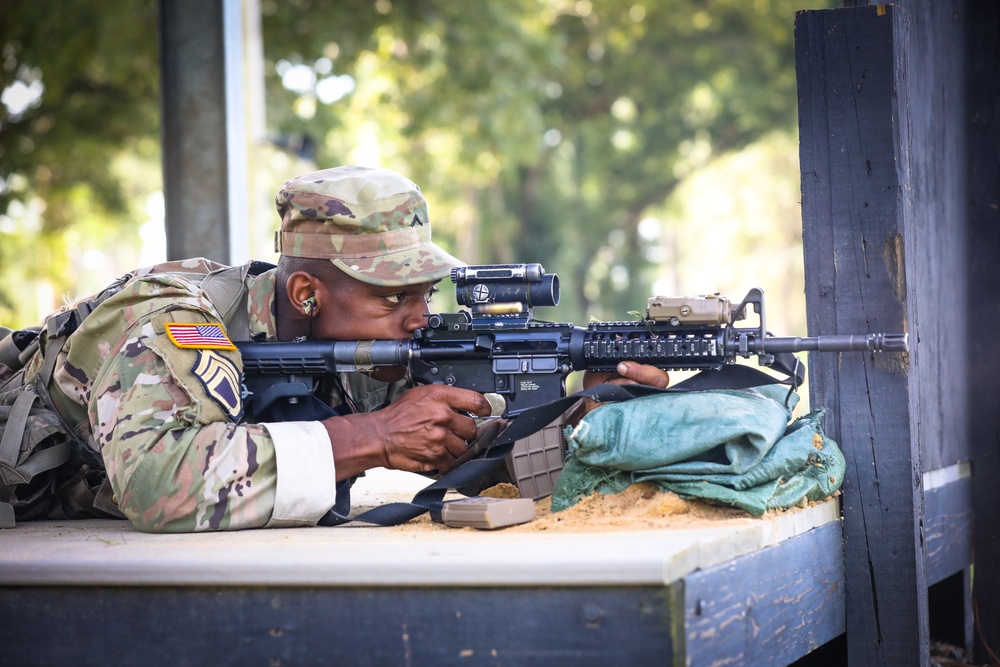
x,y
371,223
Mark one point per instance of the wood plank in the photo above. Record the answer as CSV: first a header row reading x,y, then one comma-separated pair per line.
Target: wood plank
x,y
112,553
792,603
931,63
323,626
791,590
855,198
948,527
982,305
293,594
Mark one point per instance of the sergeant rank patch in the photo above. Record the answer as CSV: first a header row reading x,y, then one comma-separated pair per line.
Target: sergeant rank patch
x,y
221,379
199,336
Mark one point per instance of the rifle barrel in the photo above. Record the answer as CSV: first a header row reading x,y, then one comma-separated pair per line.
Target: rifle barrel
x,y
320,357
879,342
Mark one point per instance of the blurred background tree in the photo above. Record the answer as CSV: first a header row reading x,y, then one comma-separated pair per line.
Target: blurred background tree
x,y
79,146
629,147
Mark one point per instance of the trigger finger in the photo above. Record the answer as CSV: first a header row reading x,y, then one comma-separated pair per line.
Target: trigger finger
x,y
456,445
464,427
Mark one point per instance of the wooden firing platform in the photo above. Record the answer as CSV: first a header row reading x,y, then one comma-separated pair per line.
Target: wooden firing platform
x,y
765,591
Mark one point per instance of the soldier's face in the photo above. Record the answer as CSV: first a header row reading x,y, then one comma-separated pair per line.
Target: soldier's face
x,y
353,310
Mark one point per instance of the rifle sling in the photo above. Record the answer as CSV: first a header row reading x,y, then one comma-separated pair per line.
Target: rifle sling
x,y
735,376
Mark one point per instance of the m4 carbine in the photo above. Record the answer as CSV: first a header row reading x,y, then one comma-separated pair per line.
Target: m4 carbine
x,y
496,346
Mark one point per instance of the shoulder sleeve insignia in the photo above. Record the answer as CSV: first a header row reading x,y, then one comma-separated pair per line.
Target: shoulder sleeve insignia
x,y
221,379
199,336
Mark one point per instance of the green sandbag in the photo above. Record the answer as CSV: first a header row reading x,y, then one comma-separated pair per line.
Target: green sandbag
x,y
734,447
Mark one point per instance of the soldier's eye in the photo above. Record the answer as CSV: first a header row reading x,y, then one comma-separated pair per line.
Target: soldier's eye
x,y
430,293
396,298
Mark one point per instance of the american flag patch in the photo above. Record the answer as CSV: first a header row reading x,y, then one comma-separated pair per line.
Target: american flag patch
x,y
199,336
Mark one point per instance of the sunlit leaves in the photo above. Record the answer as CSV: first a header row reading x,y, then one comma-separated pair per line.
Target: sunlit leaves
x,y
540,130
78,87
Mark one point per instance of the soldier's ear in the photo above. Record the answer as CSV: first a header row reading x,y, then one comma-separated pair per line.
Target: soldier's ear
x,y
301,289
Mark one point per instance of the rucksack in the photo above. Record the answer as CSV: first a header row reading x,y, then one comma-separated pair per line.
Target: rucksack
x,y
46,470
35,443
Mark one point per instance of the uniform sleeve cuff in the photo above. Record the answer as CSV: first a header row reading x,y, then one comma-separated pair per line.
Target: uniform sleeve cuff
x,y
306,486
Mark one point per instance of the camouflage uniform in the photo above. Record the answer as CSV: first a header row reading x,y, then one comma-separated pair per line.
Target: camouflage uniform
x,y
166,415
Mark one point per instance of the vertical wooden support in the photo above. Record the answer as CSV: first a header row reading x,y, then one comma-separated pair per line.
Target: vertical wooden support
x,y
854,156
982,84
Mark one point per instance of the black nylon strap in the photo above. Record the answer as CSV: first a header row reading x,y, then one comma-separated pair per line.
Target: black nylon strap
x,y
528,422
735,376
739,376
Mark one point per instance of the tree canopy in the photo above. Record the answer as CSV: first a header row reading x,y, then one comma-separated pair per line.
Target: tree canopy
x,y
546,130
540,130
79,110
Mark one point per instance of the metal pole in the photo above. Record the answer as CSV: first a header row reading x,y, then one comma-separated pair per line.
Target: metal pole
x,y
203,129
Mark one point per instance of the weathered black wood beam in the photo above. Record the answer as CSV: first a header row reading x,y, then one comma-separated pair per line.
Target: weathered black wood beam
x,y
418,627
768,608
982,309
854,155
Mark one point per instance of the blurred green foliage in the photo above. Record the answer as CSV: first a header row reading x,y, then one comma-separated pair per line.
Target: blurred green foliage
x,y
547,131
540,130
79,136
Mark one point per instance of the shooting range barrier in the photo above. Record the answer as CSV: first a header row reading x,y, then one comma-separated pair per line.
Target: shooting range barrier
x,y
426,595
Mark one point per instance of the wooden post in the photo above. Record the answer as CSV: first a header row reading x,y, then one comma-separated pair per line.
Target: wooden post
x,y
982,85
856,189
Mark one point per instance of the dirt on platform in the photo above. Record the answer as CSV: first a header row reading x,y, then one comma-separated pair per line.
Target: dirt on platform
x,y
641,506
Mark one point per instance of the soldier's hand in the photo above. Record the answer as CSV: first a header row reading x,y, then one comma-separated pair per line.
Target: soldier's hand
x,y
628,372
426,429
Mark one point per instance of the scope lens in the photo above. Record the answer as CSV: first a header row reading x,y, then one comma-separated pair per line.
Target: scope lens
x,y
545,292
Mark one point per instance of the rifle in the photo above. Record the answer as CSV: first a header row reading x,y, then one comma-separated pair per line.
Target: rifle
x,y
496,346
